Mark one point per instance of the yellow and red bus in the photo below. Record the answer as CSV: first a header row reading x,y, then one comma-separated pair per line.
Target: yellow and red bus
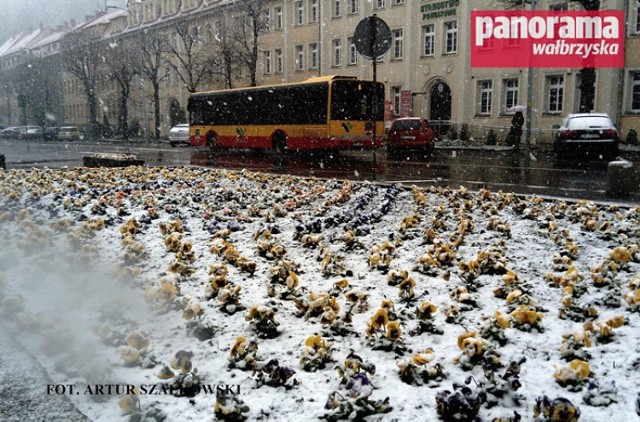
x,y
321,113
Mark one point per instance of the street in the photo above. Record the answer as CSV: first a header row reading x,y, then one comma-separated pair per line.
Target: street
x,y
495,168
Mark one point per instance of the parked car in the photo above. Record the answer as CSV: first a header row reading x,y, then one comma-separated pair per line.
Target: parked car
x,y
592,134
179,135
50,133
10,132
69,133
31,132
410,133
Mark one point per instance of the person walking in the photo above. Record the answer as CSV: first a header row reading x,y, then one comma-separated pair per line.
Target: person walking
x,y
516,129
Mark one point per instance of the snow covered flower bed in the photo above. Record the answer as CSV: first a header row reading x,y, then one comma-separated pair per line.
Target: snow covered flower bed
x,y
200,294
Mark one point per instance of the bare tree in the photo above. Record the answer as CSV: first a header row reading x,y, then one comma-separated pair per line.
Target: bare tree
x,y
39,80
18,82
152,47
8,92
251,24
193,62
587,74
121,66
82,58
226,62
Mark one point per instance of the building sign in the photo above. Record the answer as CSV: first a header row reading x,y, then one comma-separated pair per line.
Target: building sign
x,y
388,111
439,9
568,39
405,103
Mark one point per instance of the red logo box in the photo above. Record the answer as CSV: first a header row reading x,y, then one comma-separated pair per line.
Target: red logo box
x,y
551,39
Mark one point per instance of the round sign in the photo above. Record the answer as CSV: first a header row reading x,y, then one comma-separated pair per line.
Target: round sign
x,y
372,37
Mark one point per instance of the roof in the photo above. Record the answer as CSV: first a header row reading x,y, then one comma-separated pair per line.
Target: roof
x,y
43,36
45,45
23,41
102,18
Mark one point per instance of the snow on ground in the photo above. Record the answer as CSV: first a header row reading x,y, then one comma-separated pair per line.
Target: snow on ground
x,y
208,293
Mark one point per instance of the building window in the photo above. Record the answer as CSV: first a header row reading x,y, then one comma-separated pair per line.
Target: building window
x,y
396,99
379,4
313,11
398,44
485,94
279,62
277,14
267,62
313,55
428,40
337,52
555,93
635,91
267,19
299,58
397,2
353,6
336,8
353,52
511,89
451,37
299,7
584,103
638,17
559,7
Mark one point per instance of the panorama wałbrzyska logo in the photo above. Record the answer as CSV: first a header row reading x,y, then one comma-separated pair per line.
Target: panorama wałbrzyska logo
x,y
551,39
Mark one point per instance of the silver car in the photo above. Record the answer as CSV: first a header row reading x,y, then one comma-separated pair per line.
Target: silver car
x,y
591,134
69,133
30,132
179,135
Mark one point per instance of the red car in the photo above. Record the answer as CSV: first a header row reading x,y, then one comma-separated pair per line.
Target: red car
x,y
410,133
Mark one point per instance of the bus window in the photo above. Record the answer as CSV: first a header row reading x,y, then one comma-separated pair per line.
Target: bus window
x,y
352,100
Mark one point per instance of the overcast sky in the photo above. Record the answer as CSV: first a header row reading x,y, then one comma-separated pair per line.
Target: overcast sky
x,y
25,15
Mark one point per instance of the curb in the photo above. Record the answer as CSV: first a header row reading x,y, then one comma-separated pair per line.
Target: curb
x,y
112,160
474,148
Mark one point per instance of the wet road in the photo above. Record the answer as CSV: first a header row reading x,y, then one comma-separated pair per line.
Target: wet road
x,y
537,173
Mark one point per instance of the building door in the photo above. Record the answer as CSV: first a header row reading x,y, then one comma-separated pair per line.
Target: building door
x,y
440,107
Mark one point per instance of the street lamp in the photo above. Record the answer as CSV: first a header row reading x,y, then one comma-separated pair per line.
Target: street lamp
x,y
529,96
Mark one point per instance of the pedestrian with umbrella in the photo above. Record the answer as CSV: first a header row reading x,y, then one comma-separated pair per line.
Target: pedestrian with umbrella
x,y
515,133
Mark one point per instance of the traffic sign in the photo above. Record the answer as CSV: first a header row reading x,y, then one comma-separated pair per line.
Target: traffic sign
x,y
372,37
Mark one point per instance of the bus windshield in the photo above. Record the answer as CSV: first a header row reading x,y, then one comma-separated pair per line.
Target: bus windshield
x,y
352,100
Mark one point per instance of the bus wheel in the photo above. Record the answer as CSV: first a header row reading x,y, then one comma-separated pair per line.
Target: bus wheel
x,y
212,142
279,143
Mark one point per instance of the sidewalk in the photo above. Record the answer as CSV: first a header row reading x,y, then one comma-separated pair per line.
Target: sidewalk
x,y
23,387
448,144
